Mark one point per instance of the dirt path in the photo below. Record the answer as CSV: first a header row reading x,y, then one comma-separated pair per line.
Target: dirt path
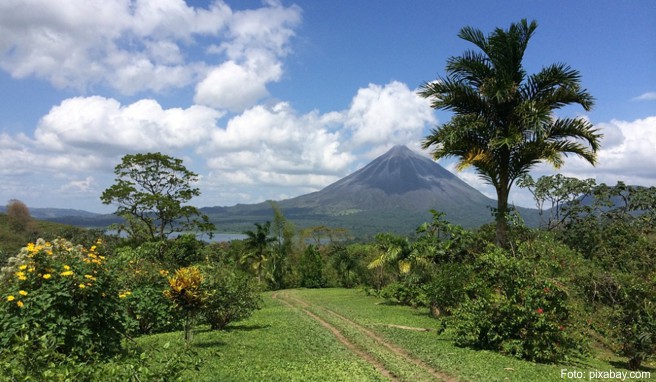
x,y
340,337
393,348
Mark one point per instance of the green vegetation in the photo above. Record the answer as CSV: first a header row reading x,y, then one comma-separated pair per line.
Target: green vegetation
x,y
503,302
504,122
150,191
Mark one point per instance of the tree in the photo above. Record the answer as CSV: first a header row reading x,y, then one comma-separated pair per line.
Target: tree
x,y
283,233
503,121
18,216
257,244
150,191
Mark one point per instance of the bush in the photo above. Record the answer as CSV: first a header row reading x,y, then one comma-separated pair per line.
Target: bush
x,y
311,269
187,290
636,321
447,288
233,296
63,293
516,311
143,281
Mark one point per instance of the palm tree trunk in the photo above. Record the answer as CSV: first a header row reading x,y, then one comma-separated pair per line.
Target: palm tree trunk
x,y
501,216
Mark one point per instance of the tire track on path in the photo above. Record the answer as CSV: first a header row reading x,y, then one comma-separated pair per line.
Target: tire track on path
x,y
340,337
398,351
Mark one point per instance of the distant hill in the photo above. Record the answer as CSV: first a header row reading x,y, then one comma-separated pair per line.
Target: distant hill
x,y
392,193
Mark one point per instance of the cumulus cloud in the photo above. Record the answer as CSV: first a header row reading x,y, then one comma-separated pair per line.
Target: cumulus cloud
x,y
258,39
390,114
97,124
140,45
275,145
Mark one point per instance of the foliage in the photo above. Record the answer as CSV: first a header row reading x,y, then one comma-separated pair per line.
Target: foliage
x,y
504,122
143,279
187,292
28,362
233,296
18,217
257,245
283,234
516,310
184,250
63,293
150,191
561,192
636,319
447,288
347,264
311,268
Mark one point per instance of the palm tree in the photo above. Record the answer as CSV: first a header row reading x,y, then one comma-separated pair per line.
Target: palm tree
x,y
257,244
394,250
504,121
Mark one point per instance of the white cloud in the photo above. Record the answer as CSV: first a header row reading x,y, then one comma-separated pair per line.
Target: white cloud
x,y
102,125
139,45
649,96
390,114
258,40
274,145
231,86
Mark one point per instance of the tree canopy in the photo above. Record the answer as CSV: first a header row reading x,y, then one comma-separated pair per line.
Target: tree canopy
x,y
150,192
504,122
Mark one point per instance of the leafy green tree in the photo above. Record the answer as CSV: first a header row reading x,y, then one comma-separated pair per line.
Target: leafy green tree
x,y
393,250
258,247
283,234
560,192
311,268
345,262
504,121
150,192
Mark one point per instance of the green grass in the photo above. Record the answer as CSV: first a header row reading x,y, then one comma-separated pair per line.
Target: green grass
x,y
276,344
283,343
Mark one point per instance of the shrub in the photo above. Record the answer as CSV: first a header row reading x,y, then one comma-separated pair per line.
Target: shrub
x,y
233,296
143,281
517,311
311,269
187,292
63,293
447,288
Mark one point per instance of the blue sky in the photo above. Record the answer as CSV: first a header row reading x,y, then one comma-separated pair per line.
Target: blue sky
x,y
269,100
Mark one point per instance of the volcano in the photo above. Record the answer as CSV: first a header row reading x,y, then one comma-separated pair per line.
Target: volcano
x,y
393,193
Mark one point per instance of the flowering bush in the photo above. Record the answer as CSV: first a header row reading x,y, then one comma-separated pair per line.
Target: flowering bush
x,y
143,279
187,292
60,293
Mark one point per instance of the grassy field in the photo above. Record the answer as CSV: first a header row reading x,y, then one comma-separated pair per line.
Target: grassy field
x,y
343,335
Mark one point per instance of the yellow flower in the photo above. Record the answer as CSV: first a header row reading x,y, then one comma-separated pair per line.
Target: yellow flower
x,y
11,298
67,273
22,293
164,272
20,304
82,286
67,268
23,267
124,294
47,276
20,275
93,248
